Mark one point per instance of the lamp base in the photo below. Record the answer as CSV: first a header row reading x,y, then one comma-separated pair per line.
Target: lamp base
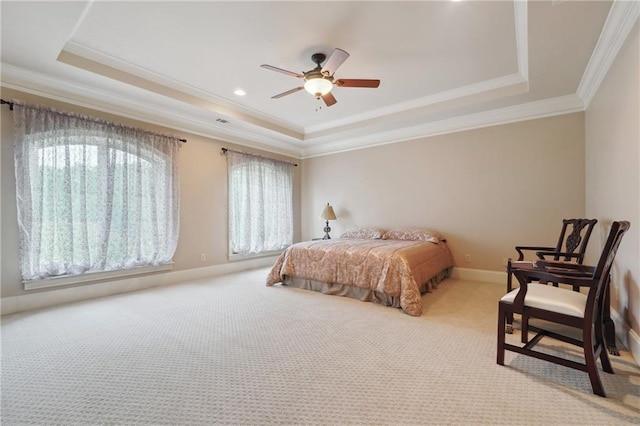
x,y
327,229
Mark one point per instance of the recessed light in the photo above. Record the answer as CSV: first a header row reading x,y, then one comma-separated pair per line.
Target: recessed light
x,y
239,92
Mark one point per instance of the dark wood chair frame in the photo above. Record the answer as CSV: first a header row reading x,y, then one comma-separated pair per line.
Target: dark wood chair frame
x,y
596,279
571,246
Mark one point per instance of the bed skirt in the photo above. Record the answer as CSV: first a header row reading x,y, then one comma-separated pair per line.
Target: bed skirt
x,y
359,293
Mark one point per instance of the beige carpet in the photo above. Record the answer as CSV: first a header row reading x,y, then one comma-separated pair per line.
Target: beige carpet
x,y
230,350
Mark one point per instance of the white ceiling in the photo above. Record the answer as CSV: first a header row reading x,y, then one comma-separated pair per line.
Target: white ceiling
x,y
443,65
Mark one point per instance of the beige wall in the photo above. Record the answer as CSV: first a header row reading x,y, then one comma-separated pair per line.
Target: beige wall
x,y
486,190
612,124
203,187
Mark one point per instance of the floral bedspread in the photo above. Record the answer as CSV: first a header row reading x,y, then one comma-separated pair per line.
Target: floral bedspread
x,y
392,267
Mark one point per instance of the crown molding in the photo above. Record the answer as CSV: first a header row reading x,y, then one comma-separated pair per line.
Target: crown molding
x,y
522,37
620,21
529,111
485,90
92,60
88,97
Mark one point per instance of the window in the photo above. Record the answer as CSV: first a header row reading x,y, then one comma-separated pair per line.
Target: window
x,y
260,204
92,196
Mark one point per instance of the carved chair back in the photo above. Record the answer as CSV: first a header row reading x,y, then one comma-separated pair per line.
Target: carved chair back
x,y
574,240
572,243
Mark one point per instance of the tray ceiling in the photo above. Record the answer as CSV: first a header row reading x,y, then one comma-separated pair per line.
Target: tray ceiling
x,y
442,64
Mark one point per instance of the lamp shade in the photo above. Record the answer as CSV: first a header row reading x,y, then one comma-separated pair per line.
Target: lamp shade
x,y
328,213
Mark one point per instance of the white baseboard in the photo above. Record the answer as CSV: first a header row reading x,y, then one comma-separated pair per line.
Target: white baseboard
x,y
42,299
497,277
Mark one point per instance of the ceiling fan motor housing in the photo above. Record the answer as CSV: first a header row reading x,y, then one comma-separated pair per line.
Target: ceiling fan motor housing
x,y
318,58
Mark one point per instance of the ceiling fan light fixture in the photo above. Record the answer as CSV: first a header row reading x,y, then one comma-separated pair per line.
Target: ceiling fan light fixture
x,y
320,80
318,86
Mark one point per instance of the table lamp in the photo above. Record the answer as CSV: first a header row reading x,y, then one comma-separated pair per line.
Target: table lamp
x,y
327,214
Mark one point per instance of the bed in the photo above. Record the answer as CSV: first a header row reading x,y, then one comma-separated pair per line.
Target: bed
x,y
393,269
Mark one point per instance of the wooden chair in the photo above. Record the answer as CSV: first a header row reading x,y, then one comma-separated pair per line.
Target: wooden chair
x,y
564,306
571,247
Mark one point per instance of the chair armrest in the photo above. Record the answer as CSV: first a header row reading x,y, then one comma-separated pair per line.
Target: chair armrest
x,y
564,268
519,249
559,254
569,277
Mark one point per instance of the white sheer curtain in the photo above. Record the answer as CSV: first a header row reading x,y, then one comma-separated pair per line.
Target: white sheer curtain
x,y
92,195
260,203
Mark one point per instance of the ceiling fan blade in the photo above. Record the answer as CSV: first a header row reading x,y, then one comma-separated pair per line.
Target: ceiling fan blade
x,y
329,99
272,68
338,56
288,92
346,82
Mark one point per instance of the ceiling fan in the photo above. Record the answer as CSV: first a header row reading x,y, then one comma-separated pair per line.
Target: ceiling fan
x,y
320,80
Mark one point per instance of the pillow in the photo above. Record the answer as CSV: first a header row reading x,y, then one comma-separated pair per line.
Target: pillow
x,y
362,233
413,234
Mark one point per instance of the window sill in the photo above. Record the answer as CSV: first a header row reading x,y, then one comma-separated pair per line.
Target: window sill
x,y
93,276
234,257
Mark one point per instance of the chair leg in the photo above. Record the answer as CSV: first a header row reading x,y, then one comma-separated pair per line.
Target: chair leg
x,y
509,326
502,318
592,366
524,338
601,343
606,362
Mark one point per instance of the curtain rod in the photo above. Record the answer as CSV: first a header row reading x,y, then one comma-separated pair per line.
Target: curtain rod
x,y
225,150
3,102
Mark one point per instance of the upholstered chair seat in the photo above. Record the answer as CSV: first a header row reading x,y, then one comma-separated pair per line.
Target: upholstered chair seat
x,y
549,298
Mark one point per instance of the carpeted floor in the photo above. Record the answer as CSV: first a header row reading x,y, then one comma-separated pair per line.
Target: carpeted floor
x,y
230,350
